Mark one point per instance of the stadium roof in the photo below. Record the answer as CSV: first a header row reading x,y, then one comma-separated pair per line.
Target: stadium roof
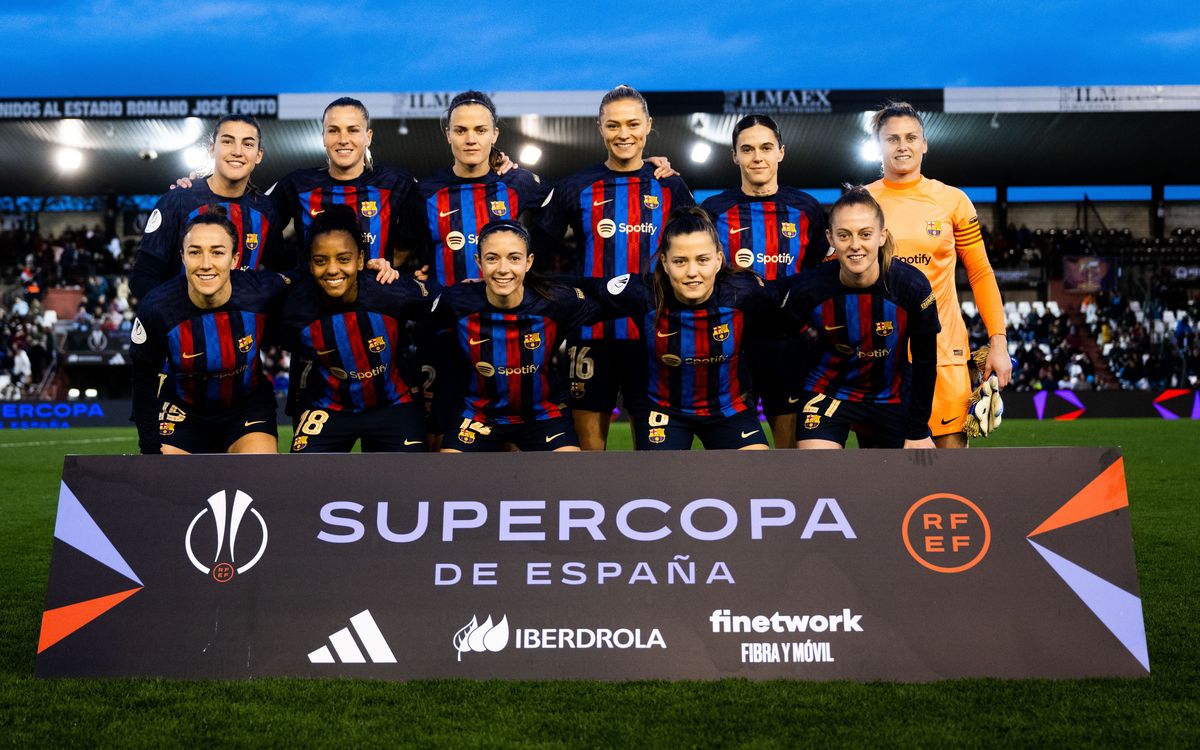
x,y
978,137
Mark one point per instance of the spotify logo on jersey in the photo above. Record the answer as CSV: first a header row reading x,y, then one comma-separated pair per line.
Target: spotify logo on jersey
x,y
744,258
455,240
485,369
671,360
606,228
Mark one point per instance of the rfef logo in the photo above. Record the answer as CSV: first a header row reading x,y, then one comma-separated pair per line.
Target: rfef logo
x,y
946,533
224,567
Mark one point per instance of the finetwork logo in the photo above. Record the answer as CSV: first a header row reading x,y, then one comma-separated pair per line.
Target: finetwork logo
x,y
346,648
223,569
492,636
478,638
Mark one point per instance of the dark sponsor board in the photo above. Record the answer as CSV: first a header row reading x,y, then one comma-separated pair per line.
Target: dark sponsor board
x,y
27,415
892,565
1064,405
262,106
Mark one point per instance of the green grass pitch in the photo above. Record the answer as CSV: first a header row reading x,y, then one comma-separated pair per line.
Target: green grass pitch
x,y
1160,711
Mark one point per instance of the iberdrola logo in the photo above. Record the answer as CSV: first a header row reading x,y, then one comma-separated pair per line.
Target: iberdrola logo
x,y
483,637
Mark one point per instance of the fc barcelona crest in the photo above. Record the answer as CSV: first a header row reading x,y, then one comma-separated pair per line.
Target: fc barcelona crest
x,y
300,443
251,242
812,421
376,344
933,228
532,340
578,388
788,229
166,428
721,332
658,434
466,436
368,208
883,328
499,208
650,201
244,344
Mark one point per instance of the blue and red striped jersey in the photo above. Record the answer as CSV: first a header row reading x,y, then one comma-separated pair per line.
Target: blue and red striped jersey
x,y
774,235
457,208
353,348
695,353
259,233
508,374
864,334
383,197
209,357
617,218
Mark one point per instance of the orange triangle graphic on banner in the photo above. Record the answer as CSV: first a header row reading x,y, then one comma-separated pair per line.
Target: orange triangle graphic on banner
x,y
1103,494
61,622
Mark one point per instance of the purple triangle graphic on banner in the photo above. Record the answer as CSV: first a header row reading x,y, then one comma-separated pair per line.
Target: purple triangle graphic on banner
x,y
1119,610
1039,403
75,527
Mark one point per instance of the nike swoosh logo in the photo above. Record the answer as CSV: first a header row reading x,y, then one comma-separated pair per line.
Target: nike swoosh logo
x,y
948,421
665,335
444,214
738,231
251,424
412,442
323,352
601,203
193,356
833,328
793,400
748,434
473,342
556,435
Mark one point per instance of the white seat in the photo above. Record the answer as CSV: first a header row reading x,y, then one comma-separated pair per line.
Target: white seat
x,y
968,308
1010,307
50,317
1045,349
1052,306
1135,305
1024,308
1107,348
1039,307
1169,317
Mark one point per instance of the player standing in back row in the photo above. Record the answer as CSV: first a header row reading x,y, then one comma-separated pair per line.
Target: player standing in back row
x,y
616,211
774,231
934,225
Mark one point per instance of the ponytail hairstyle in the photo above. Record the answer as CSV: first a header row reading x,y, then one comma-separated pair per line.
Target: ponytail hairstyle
x,y
483,100
892,109
338,218
858,195
349,101
215,215
750,121
683,220
622,91
534,281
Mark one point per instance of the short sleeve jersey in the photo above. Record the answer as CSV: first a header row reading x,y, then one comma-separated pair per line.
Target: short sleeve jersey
x,y
774,235
617,218
353,348
456,209
259,233
210,357
383,197
932,223
506,356
863,334
695,353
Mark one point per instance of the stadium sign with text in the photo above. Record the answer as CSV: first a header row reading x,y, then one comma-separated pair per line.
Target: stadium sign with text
x,y
138,107
879,565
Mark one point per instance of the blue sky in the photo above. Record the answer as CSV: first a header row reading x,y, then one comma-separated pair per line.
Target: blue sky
x,y
81,48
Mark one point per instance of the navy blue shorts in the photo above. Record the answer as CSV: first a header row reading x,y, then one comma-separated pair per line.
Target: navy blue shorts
x,y
775,368
671,431
398,428
197,432
824,418
539,435
599,369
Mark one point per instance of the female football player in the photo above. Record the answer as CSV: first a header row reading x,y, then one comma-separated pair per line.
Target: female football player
x,y
935,225
868,310
236,148
695,316
775,231
506,331
616,211
198,383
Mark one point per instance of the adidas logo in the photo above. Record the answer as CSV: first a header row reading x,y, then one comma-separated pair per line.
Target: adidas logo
x,y
346,647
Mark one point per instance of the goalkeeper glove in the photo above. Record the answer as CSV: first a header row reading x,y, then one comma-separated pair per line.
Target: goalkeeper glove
x,y
986,409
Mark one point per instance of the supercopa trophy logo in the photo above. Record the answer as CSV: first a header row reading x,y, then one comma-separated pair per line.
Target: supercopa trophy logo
x,y
224,568
480,637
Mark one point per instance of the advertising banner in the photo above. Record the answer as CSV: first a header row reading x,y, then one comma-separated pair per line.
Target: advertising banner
x,y
1065,406
879,565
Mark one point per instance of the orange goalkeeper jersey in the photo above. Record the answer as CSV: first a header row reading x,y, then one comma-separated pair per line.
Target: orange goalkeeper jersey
x,y
934,225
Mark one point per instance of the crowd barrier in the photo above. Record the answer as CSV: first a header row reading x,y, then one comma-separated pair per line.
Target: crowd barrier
x,y
871,565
